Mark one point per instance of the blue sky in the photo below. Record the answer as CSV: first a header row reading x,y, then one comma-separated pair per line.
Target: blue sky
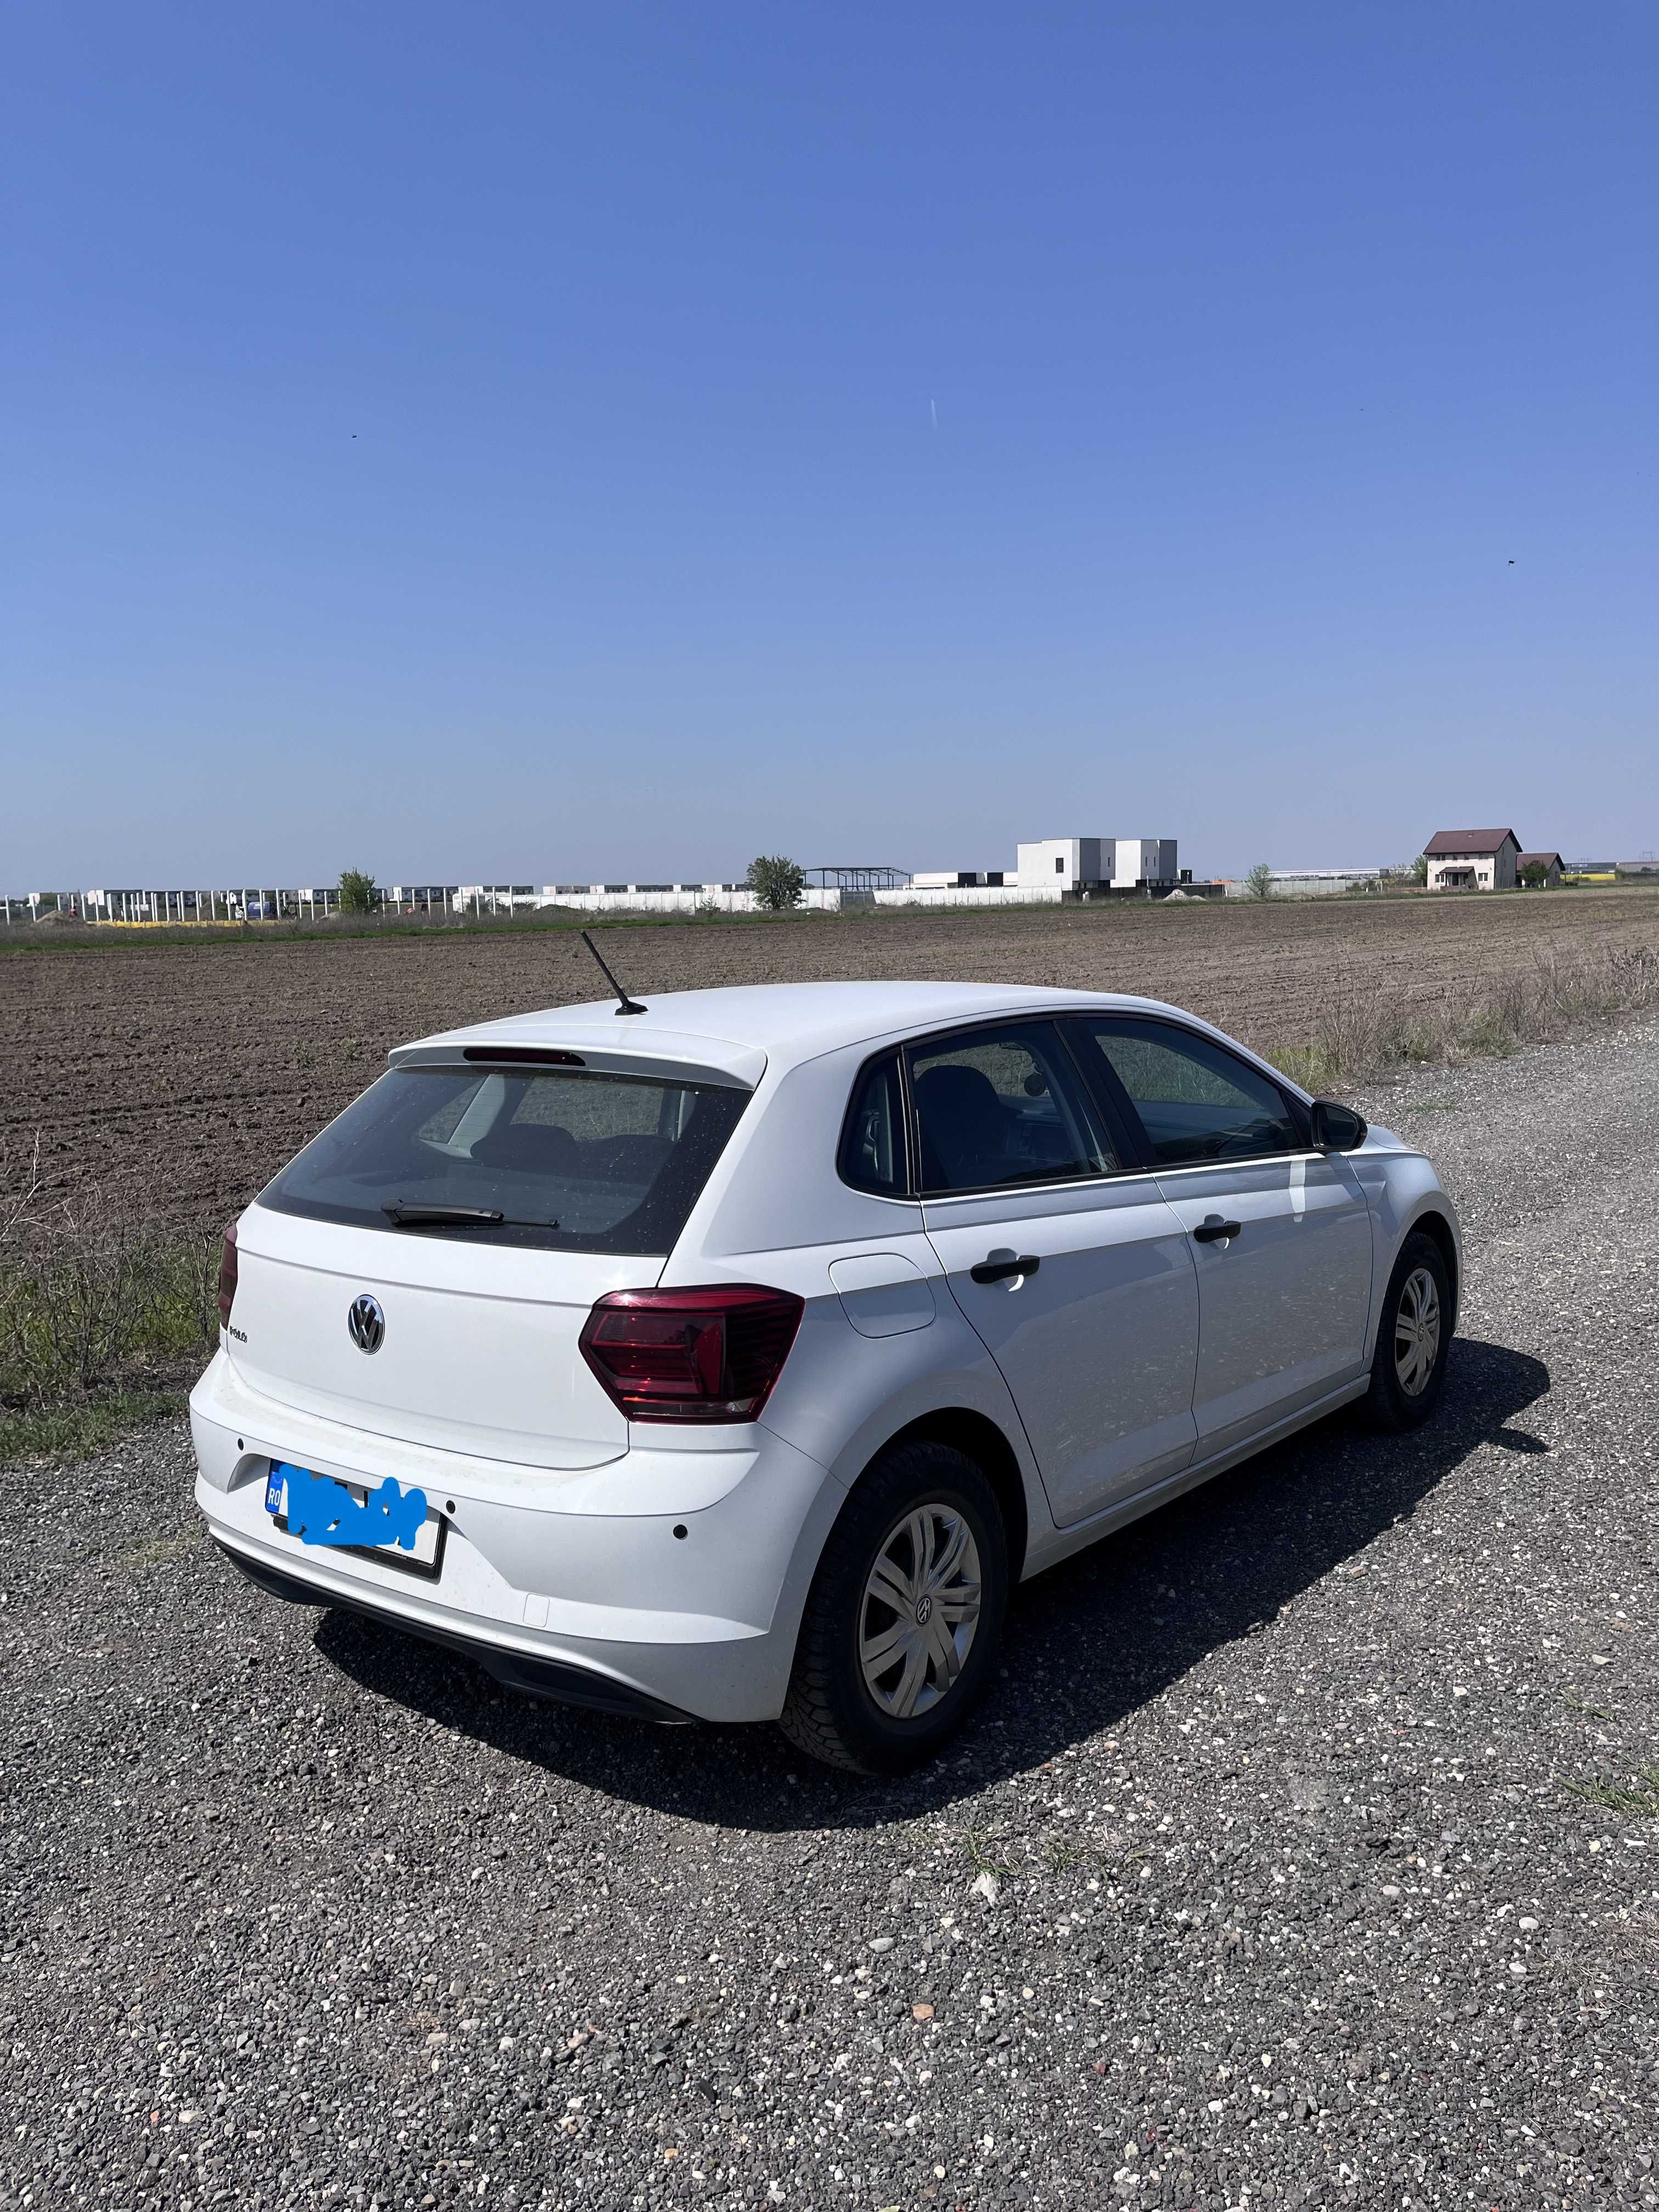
x,y
560,444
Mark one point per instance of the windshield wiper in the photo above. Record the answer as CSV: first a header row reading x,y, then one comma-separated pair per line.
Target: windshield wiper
x,y
412,1215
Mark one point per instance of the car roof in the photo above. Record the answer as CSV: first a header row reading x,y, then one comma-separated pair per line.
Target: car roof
x,y
743,1029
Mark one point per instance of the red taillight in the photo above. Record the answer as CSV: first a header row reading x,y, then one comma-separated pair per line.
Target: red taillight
x,y
702,1355
228,1276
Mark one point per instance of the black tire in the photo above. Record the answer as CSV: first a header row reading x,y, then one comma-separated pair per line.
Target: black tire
x,y
1388,1404
832,1713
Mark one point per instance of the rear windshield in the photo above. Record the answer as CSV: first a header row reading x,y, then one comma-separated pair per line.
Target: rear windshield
x,y
575,1163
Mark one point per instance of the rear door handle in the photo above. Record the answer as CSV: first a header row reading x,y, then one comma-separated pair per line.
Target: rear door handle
x,y
998,1271
1212,1230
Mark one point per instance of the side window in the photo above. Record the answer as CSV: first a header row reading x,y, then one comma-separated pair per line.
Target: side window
x,y
1197,1103
1003,1105
872,1137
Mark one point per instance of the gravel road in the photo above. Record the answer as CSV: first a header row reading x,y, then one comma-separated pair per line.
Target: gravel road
x,y
1266,1879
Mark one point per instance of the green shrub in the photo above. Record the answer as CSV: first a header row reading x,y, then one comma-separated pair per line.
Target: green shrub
x,y
776,882
358,893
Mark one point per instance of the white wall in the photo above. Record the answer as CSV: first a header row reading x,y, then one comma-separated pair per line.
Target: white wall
x,y
974,894
686,898
1482,865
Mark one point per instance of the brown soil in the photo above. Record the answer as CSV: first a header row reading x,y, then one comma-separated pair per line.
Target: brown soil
x,y
184,1074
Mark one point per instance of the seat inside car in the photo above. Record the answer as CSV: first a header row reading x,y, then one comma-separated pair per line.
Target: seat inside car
x,y
963,1126
532,1147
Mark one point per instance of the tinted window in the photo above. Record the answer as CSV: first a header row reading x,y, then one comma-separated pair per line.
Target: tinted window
x,y
1195,1101
572,1161
872,1142
1003,1106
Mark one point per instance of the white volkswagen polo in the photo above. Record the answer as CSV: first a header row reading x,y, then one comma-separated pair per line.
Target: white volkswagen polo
x,y
730,1357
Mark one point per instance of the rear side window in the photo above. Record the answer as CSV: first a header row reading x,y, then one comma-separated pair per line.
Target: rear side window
x,y
872,1155
1000,1106
1195,1101
572,1162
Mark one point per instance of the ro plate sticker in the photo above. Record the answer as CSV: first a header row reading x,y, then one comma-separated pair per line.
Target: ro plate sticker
x,y
274,1491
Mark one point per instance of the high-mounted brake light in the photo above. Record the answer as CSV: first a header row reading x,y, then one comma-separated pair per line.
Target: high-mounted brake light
x,y
228,1276
521,1055
699,1355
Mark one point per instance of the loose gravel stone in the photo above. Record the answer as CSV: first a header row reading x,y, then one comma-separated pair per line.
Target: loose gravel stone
x,y
1220,1904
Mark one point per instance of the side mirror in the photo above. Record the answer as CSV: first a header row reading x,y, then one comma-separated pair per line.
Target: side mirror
x,y
1337,1128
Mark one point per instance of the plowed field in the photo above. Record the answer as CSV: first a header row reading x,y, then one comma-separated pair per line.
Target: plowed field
x,y
183,1074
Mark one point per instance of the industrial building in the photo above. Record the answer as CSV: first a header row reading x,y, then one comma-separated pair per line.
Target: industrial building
x,y
1309,883
1087,866
1048,871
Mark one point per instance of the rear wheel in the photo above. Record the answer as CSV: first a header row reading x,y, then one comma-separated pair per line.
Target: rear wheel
x,y
1408,1368
903,1616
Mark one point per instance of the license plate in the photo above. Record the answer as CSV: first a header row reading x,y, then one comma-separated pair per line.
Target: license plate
x,y
379,1521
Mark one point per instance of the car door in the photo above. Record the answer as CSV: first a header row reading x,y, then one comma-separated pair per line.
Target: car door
x,y
1077,1275
1280,1234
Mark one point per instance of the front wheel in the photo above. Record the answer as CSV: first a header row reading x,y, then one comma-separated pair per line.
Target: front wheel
x,y
1413,1336
903,1616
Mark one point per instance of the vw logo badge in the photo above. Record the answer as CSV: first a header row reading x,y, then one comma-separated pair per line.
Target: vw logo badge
x,y
366,1323
924,1610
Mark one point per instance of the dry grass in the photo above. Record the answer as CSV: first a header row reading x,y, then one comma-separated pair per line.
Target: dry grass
x,y
104,1313
1362,1033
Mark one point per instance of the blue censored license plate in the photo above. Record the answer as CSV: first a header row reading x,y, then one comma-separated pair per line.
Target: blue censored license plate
x,y
389,1523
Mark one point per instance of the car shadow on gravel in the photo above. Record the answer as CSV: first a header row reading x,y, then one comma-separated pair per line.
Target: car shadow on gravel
x,y
1087,1643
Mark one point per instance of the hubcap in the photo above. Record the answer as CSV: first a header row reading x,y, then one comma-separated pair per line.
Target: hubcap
x,y
1416,1332
920,1611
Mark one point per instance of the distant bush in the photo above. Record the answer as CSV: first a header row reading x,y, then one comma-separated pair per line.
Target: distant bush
x,y
357,892
1260,881
777,884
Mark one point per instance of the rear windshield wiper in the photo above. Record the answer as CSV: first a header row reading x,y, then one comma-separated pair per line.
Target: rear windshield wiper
x,y
412,1215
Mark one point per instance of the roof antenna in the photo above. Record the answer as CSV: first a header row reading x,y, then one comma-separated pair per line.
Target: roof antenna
x,y
624,1003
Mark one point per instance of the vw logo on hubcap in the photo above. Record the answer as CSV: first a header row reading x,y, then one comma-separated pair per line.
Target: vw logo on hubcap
x,y
924,1610
366,1323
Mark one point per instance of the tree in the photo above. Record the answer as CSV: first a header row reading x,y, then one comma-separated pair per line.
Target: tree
x,y
357,892
1534,875
776,882
1420,869
1260,881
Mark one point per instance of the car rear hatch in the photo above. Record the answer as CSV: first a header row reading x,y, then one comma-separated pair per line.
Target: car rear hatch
x,y
423,1269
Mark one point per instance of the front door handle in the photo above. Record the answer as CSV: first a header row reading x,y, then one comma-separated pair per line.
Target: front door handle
x,y
1212,1230
999,1270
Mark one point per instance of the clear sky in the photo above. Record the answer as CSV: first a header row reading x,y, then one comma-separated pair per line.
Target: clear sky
x,y
551,443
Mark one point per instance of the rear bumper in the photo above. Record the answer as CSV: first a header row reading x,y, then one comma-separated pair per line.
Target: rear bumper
x,y
518,1670
690,1614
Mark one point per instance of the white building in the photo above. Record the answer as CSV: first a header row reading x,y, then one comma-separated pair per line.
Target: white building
x,y
1472,859
1075,864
